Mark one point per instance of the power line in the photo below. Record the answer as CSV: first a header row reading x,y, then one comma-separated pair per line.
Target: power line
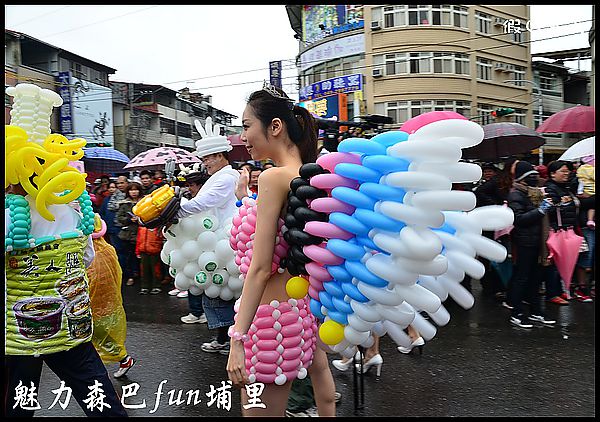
x,y
40,16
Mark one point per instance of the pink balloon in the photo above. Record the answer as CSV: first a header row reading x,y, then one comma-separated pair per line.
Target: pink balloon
x,y
308,354
281,250
249,254
274,267
265,368
241,246
280,223
314,293
251,219
237,220
329,205
292,329
238,260
243,211
268,378
417,122
291,341
326,230
244,269
332,180
267,344
246,261
267,334
247,228
318,271
288,318
329,161
316,283
243,237
268,356
290,365
284,307
264,310
291,353
321,255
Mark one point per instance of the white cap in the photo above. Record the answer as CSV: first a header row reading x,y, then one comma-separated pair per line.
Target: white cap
x,y
211,142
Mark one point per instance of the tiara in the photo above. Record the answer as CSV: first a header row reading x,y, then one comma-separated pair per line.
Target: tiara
x,y
271,90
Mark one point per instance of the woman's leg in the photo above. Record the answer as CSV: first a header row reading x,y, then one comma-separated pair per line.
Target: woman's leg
x,y
323,385
374,349
274,397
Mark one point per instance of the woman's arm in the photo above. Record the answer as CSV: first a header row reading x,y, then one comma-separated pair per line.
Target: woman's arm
x,y
273,193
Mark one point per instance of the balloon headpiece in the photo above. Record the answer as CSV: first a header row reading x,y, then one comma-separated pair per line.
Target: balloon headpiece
x,y
211,142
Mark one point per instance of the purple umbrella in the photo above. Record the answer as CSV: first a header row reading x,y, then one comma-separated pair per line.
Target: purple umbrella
x,y
104,160
504,140
156,158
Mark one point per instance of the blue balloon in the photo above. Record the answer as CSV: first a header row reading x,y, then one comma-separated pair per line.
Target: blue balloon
x,y
361,145
345,249
357,172
446,228
339,273
382,192
392,137
348,223
333,288
353,197
342,306
315,309
367,242
385,164
352,291
377,220
325,299
337,316
358,270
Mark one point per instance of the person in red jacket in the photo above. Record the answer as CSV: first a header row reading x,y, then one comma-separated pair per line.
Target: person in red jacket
x,y
147,247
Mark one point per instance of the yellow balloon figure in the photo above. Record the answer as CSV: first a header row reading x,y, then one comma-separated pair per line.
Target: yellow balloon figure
x,y
331,332
297,287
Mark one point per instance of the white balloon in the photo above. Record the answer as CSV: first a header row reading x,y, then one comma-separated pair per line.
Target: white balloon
x,y
423,243
190,269
492,217
348,352
223,251
435,266
419,297
195,290
456,242
210,222
379,295
164,257
453,200
469,265
378,329
397,334
485,247
187,226
355,337
170,233
458,292
341,345
235,283
226,293
455,271
396,314
368,342
460,132
424,327
190,249
207,240
461,221
409,214
441,317
220,278
177,260
456,172
172,272
365,312
384,267
358,323
432,151
203,279
417,181
431,284
182,282
212,291
169,246
232,268
208,261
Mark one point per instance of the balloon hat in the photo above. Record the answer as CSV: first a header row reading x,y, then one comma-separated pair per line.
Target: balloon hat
x,y
211,141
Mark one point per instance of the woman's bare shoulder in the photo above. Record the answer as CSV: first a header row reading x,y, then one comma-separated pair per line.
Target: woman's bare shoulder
x,y
278,176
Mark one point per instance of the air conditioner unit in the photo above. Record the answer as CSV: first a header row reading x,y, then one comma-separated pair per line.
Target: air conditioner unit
x,y
377,73
499,66
164,130
375,25
509,68
499,21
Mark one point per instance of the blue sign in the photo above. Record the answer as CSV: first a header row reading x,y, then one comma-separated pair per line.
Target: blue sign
x,y
64,90
324,108
275,73
339,85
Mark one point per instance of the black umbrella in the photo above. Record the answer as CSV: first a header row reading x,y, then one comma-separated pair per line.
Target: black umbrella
x,y
504,140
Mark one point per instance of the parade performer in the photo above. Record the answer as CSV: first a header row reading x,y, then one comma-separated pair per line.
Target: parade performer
x,y
274,128
110,323
47,247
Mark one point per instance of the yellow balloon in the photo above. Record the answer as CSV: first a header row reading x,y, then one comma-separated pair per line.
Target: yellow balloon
x,y
297,287
331,332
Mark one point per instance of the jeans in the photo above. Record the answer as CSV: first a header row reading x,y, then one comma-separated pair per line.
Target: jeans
x,y
149,278
526,282
78,367
219,313
553,284
195,303
586,259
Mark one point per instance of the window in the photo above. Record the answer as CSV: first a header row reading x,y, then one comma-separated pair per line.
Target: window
x,y
483,22
167,126
484,69
518,36
418,15
422,62
184,130
440,14
461,62
484,112
519,75
460,16
519,116
395,64
394,16
442,63
548,82
401,111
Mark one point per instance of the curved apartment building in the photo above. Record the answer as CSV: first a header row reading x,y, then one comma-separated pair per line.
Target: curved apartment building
x,y
404,60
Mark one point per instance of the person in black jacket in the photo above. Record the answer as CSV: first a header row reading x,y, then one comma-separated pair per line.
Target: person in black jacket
x,y
566,203
529,207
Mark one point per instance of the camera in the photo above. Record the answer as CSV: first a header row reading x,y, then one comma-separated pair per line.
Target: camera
x,y
372,123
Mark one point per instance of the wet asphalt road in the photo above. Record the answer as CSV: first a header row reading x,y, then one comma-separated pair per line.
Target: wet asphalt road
x,y
476,365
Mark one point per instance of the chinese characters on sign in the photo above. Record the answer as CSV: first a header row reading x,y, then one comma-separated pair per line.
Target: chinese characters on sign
x,y
342,84
275,73
64,90
513,26
26,397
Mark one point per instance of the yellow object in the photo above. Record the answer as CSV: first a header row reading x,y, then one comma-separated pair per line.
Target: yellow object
x,y
331,332
297,287
150,206
43,170
110,324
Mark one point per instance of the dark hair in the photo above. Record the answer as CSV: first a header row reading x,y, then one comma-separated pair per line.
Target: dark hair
x,y
145,172
134,186
553,166
301,126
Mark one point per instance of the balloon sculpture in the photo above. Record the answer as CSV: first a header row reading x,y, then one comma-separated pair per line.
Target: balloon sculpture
x,y
380,235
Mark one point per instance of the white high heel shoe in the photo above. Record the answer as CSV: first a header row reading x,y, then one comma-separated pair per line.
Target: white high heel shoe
x,y
419,342
344,366
376,361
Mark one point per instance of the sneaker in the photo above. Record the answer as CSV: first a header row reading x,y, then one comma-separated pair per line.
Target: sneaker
x,y
557,300
311,412
566,296
507,306
591,224
520,323
542,319
338,397
215,347
124,366
144,291
192,319
582,297
174,292
130,282
155,291
183,294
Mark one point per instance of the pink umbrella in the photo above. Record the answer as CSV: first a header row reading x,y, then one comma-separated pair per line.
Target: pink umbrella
x,y
156,158
564,250
578,119
411,125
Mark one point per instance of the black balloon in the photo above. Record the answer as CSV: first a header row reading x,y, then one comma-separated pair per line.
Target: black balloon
x,y
309,170
294,202
291,221
306,214
310,192
300,237
297,254
297,182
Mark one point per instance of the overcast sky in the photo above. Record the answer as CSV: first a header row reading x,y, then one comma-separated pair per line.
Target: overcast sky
x,y
179,46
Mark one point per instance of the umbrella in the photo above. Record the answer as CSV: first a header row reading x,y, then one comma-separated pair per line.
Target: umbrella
x,y
564,249
581,149
415,123
104,160
504,140
578,119
156,158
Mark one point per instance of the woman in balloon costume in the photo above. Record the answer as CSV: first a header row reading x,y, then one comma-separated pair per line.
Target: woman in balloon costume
x,y
273,339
